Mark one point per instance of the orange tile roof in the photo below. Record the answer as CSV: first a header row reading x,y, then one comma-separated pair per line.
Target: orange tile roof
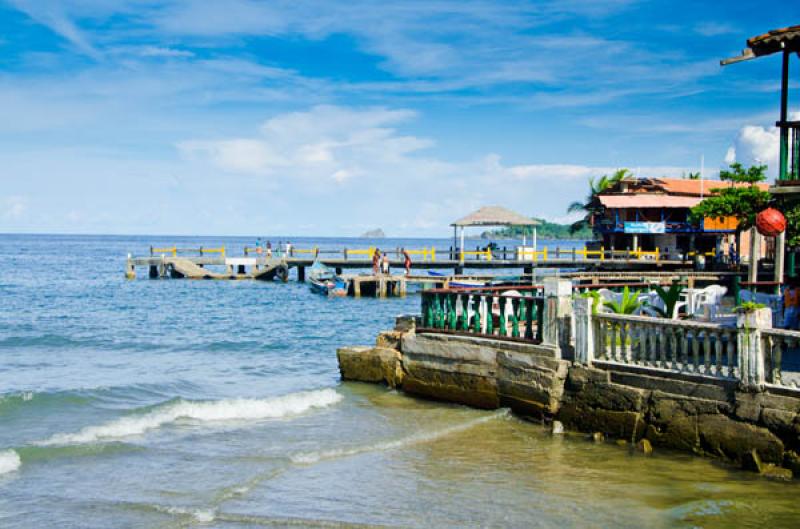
x,y
682,186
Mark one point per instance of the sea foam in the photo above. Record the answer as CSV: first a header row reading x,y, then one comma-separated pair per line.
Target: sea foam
x,y
411,440
210,411
9,461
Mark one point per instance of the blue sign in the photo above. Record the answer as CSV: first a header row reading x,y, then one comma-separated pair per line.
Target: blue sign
x,y
645,227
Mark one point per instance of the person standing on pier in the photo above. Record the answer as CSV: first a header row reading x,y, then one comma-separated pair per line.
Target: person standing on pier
x,y
376,260
407,262
385,264
269,249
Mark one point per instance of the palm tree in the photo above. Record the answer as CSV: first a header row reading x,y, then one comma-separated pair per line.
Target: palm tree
x,y
590,207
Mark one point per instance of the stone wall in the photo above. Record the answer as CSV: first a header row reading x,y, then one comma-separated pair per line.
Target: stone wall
x,y
756,429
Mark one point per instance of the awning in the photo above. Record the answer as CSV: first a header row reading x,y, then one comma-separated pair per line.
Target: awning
x,y
648,201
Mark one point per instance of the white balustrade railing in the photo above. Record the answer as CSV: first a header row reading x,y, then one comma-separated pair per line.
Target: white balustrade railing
x,y
776,343
683,346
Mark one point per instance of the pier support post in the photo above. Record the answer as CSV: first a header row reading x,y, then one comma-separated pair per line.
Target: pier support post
x,y
153,272
750,346
356,287
403,287
338,270
240,270
558,315
130,269
301,274
381,288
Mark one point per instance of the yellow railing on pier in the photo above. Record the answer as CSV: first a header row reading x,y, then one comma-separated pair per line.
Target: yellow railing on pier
x,y
426,253
369,252
479,254
173,250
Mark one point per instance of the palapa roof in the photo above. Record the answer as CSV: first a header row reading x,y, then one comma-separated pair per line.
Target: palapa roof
x,y
495,216
769,43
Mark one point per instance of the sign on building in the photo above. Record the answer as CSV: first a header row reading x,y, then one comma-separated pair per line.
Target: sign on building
x,y
645,227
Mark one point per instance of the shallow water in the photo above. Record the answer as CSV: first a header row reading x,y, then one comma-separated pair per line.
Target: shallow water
x,y
218,404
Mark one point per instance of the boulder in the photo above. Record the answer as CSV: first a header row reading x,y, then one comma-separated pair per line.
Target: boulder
x,y
371,364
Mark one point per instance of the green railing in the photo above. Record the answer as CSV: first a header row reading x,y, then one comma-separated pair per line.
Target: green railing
x,y
490,313
789,150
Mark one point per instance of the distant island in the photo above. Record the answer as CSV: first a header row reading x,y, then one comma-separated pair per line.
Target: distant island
x,y
546,230
373,234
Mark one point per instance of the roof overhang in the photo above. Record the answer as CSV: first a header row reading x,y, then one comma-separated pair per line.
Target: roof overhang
x,y
648,201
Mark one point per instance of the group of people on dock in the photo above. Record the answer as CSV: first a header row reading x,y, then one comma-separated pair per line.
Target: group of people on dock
x,y
265,248
381,264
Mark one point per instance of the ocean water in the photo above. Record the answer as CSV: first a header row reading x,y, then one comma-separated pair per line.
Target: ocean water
x,y
173,404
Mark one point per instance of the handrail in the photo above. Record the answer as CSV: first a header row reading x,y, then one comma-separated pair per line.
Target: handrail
x,y
518,318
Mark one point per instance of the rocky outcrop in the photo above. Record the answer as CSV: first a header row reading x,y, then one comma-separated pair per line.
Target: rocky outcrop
x,y
371,364
757,429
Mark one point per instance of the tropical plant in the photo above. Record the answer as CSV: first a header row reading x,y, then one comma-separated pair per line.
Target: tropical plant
x,y
589,207
595,296
628,304
743,202
749,306
669,297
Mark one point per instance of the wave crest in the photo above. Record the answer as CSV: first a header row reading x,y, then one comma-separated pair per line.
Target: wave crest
x,y
9,461
211,411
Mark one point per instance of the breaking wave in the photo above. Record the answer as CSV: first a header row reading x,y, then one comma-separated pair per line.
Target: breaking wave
x,y
211,411
9,461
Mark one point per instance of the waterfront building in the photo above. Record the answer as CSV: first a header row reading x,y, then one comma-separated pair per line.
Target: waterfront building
x,y
654,213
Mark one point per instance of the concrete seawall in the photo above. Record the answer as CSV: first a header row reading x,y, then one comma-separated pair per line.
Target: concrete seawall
x,y
755,429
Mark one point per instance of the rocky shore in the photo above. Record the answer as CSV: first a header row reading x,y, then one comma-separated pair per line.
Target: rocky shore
x,y
756,429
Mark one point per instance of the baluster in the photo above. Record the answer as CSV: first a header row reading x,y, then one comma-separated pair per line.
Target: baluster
x,y
515,306
465,303
718,354
490,315
684,349
529,304
730,350
539,306
614,355
662,345
627,343
453,312
596,336
602,339
673,347
476,318
503,324
653,357
706,352
778,358
695,351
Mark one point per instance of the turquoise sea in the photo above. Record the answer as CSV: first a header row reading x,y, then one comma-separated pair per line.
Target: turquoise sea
x,y
173,404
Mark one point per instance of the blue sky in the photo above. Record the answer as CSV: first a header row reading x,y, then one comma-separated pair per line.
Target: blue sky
x,y
331,118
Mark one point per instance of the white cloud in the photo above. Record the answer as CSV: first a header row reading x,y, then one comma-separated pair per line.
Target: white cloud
x,y
15,207
757,145
316,146
158,51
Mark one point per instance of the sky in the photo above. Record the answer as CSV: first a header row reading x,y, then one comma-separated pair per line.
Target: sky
x,y
330,118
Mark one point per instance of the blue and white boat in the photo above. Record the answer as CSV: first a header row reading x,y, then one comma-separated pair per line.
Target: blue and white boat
x,y
323,280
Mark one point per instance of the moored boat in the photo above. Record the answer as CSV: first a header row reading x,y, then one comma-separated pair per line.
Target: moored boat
x,y
323,280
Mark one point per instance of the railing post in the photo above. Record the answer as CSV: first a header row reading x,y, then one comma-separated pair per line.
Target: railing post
x,y
750,346
584,340
557,313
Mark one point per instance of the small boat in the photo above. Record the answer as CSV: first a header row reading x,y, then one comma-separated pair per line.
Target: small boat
x,y
323,280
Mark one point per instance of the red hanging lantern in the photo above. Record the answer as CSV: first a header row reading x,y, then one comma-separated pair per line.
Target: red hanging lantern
x,y
770,222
